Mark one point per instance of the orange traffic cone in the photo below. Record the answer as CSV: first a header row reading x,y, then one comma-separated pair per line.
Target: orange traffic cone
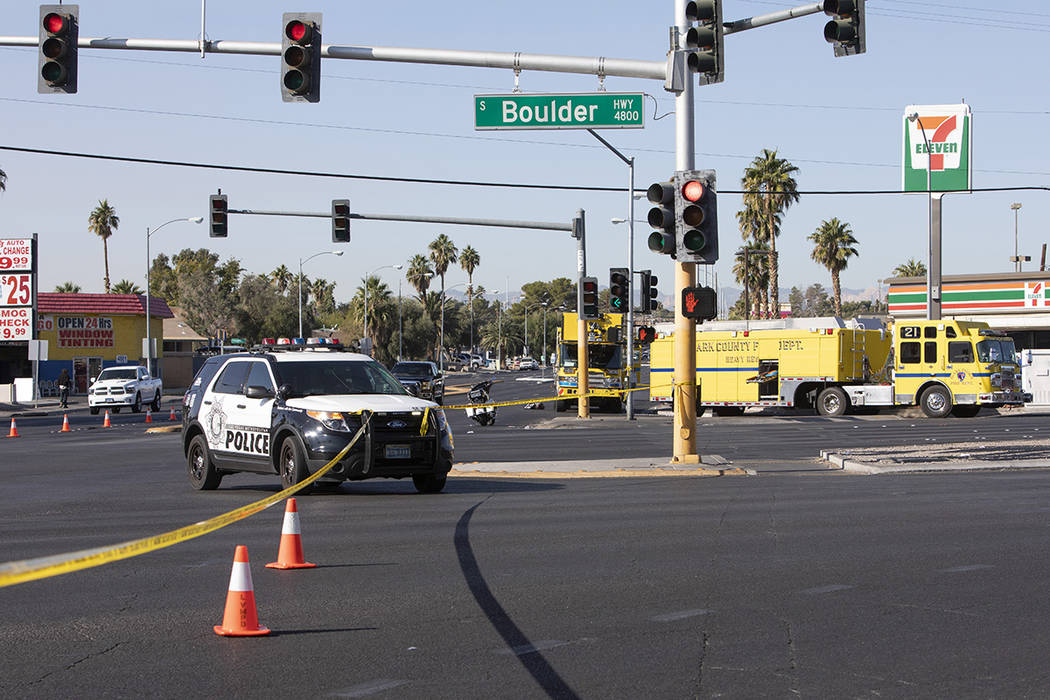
x,y
290,553
14,429
149,416
105,421
172,416
65,424
240,618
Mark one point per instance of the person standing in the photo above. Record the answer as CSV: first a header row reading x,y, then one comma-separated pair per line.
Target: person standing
x,y
63,389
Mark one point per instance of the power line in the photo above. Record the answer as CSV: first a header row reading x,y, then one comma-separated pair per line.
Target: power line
x,y
433,181
527,142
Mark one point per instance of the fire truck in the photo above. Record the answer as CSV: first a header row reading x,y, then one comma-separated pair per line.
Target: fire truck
x,y
607,366
943,366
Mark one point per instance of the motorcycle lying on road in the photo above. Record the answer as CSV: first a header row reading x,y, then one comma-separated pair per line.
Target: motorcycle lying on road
x,y
477,396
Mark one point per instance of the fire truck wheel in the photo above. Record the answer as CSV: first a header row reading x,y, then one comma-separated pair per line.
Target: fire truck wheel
x,y
936,402
966,411
832,401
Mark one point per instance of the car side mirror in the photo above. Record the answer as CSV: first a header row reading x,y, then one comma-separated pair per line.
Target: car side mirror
x,y
283,392
258,392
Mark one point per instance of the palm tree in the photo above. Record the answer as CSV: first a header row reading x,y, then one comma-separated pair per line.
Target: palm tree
x,y
833,246
282,277
771,189
126,287
755,277
469,261
442,253
68,288
102,222
419,275
379,306
912,268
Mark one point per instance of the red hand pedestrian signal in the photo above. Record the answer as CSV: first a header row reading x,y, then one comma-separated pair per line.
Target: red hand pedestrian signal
x,y
699,303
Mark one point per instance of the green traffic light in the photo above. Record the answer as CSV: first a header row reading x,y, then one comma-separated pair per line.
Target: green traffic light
x,y
694,241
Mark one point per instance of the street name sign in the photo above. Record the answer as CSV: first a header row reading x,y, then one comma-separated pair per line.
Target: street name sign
x,y
591,110
937,145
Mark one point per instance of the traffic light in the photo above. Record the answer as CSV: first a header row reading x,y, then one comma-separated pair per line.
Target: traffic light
x,y
846,30
706,41
589,298
645,335
301,57
699,303
57,65
648,291
661,217
340,221
619,289
696,225
217,207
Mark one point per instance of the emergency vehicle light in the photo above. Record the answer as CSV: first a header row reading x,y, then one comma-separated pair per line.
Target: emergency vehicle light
x,y
267,341
283,341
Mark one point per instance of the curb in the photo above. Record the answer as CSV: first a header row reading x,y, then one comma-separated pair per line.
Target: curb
x,y
602,474
856,467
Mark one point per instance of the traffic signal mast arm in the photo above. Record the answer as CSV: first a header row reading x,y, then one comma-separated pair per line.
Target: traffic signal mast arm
x,y
510,60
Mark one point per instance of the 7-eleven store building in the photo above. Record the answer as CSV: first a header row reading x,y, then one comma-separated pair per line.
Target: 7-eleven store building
x,y
1014,302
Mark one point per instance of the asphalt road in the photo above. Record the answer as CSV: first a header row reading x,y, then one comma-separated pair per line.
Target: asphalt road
x,y
798,582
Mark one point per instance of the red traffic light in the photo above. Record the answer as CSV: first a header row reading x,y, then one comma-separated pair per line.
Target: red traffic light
x,y
693,191
297,31
590,287
54,23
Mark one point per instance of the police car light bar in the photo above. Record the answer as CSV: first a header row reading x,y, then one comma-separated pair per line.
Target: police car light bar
x,y
283,341
267,341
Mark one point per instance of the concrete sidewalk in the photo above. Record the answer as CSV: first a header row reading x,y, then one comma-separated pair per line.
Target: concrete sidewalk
x,y
710,465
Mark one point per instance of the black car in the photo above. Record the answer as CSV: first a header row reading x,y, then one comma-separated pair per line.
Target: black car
x,y
422,379
290,411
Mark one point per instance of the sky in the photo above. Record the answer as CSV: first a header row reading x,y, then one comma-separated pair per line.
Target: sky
x,y
839,120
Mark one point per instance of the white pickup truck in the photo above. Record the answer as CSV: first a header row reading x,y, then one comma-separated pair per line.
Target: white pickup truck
x,y
130,385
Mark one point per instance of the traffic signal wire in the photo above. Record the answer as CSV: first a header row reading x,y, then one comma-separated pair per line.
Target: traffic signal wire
x,y
434,181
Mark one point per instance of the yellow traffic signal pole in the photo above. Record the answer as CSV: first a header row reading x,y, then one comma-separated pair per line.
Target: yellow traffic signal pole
x,y
684,390
583,408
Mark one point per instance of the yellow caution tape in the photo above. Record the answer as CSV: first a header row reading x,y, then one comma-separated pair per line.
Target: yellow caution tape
x,y
14,572
566,397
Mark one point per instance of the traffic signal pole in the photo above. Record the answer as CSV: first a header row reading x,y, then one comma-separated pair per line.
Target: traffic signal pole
x,y
684,390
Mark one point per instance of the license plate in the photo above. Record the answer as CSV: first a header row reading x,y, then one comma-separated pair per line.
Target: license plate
x,y
398,452
109,400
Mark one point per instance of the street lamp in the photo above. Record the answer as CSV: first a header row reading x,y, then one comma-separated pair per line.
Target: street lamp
x,y
930,314
1016,206
384,267
441,339
149,341
301,261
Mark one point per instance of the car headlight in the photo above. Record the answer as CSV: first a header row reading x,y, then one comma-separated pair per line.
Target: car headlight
x,y
424,384
441,419
330,420
128,388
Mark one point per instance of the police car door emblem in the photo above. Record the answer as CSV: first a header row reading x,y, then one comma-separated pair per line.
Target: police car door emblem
x,y
216,421
396,424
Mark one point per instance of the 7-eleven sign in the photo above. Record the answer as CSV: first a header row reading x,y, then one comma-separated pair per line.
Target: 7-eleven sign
x,y
937,145
1035,294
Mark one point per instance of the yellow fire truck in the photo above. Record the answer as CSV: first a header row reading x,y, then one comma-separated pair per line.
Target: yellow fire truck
x,y
942,366
607,374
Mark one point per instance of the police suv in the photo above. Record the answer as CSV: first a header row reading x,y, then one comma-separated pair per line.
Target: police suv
x,y
288,409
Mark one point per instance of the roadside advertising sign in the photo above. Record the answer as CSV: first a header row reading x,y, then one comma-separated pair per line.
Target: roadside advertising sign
x,y
17,288
938,146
